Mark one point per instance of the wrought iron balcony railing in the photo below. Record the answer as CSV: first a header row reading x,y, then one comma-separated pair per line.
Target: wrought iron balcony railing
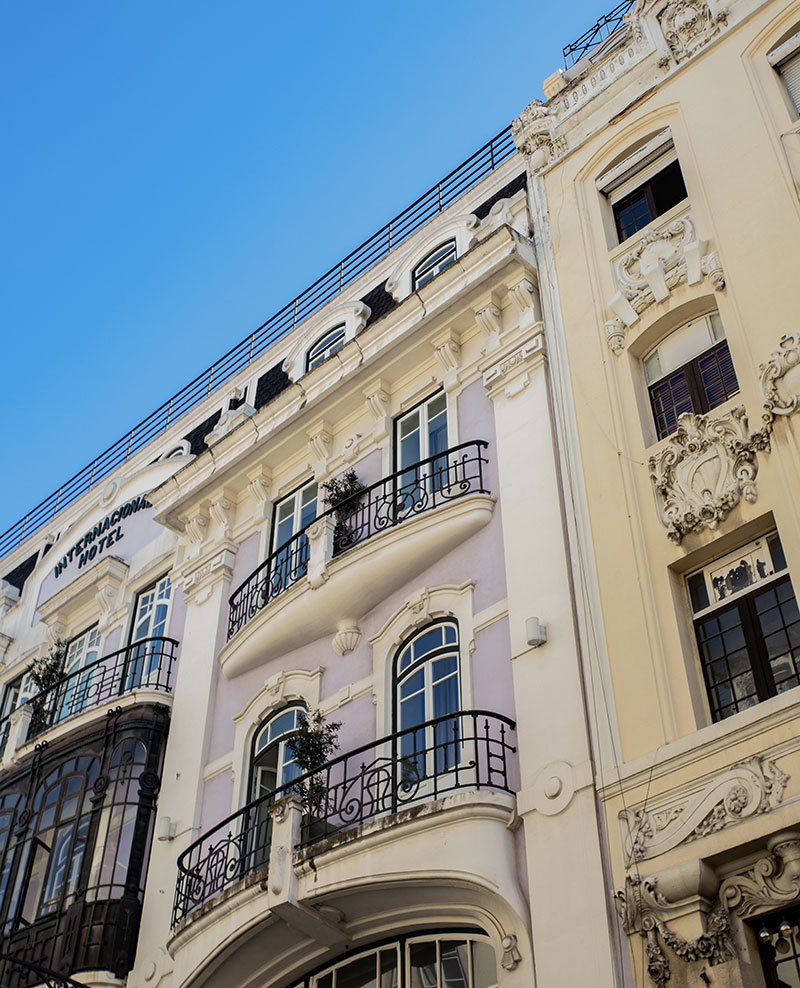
x,y
463,750
602,29
410,492
16,973
143,665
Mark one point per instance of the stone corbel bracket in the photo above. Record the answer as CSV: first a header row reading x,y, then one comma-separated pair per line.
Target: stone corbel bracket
x,y
447,351
704,470
645,905
534,134
749,788
779,378
647,273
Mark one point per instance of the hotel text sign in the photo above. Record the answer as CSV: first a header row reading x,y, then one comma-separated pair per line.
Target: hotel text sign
x,y
102,536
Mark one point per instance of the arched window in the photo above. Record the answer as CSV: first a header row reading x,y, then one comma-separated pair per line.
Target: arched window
x,y
427,687
325,347
439,259
689,371
273,763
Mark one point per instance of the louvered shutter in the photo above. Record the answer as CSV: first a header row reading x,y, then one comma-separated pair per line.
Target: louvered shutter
x,y
717,375
790,71
670,398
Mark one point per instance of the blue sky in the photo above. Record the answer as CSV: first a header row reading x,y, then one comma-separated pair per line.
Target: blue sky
x,y
174,172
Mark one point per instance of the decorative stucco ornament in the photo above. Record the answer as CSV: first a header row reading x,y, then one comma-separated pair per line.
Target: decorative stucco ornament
x,y
707,466
751,787
533,133
511,955
780,380
346,639
660,260
772,882
687,25
643,908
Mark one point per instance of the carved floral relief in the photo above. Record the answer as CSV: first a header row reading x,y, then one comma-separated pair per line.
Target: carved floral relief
x,y
780,380
705,469
746,789
687,25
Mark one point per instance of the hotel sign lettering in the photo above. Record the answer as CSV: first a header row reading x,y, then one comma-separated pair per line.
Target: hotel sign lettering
x,y
101,536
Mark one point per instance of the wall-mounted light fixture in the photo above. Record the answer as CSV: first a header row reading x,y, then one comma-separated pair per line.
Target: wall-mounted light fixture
x,y
535,632
166,829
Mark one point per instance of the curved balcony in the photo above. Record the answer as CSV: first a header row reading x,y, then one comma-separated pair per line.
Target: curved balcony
x,y
16,973
143,665
463,750
356,554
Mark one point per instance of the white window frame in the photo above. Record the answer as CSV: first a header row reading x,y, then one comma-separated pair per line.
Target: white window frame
x,y
325,347
785,59
296,499
447,254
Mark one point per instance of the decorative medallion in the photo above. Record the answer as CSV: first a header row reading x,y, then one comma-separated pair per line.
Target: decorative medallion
x,y
707,466
687,25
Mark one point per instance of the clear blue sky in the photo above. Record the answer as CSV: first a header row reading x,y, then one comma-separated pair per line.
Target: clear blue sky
x,y
174,172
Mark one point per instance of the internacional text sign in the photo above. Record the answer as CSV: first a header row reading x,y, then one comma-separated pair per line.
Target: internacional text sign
x,y
102,535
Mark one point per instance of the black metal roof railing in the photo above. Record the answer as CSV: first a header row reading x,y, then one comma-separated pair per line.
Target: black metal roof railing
x,y
398,229
602,29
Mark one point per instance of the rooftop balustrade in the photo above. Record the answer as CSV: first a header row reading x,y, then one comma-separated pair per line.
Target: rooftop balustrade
x,y
406,494
143,665
602,29
469,749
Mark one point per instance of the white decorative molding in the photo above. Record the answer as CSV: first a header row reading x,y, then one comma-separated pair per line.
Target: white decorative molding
x,y
659,261
615,335
511,956
6,641
525,299
511,212
352,315
489,319
462,229
703,471
771,883
376,400
688,25
9,597
534,134
510,374
320,445
320,550
644,907
199,583
228,421
222,511
447,350
346,639
749,788
779,378
195,527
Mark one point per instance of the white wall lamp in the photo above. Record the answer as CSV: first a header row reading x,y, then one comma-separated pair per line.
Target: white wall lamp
x,y
166,828
535,632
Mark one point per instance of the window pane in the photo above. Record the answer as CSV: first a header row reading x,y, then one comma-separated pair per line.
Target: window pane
x,y
670,398
484,968
455,964
668,188
717,375
423,965
360,973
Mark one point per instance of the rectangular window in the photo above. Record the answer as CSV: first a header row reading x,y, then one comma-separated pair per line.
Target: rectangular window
x,y
643,186
747,626
150,618
786,60
421,436
677,384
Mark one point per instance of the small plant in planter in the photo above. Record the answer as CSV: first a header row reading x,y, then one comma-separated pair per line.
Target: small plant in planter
x,y
46,672
342,493
315,742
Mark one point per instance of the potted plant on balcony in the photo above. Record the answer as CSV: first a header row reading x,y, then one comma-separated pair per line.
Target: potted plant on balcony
x,y
314,743
46,673
341,494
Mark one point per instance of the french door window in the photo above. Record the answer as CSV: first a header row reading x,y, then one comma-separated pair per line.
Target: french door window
x,y
82,652
422,435
273,762
149,621
427,687
292,515
747,625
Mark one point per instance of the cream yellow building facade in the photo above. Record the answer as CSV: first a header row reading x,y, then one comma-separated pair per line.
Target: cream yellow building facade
x,y
664,192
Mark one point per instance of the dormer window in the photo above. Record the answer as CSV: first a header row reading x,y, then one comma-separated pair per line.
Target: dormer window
x,y
439,259
325,347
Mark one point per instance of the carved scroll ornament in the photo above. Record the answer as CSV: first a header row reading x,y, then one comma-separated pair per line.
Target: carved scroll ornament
x,y
773,881
533,133
705,469
751,787
687,25
780,380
